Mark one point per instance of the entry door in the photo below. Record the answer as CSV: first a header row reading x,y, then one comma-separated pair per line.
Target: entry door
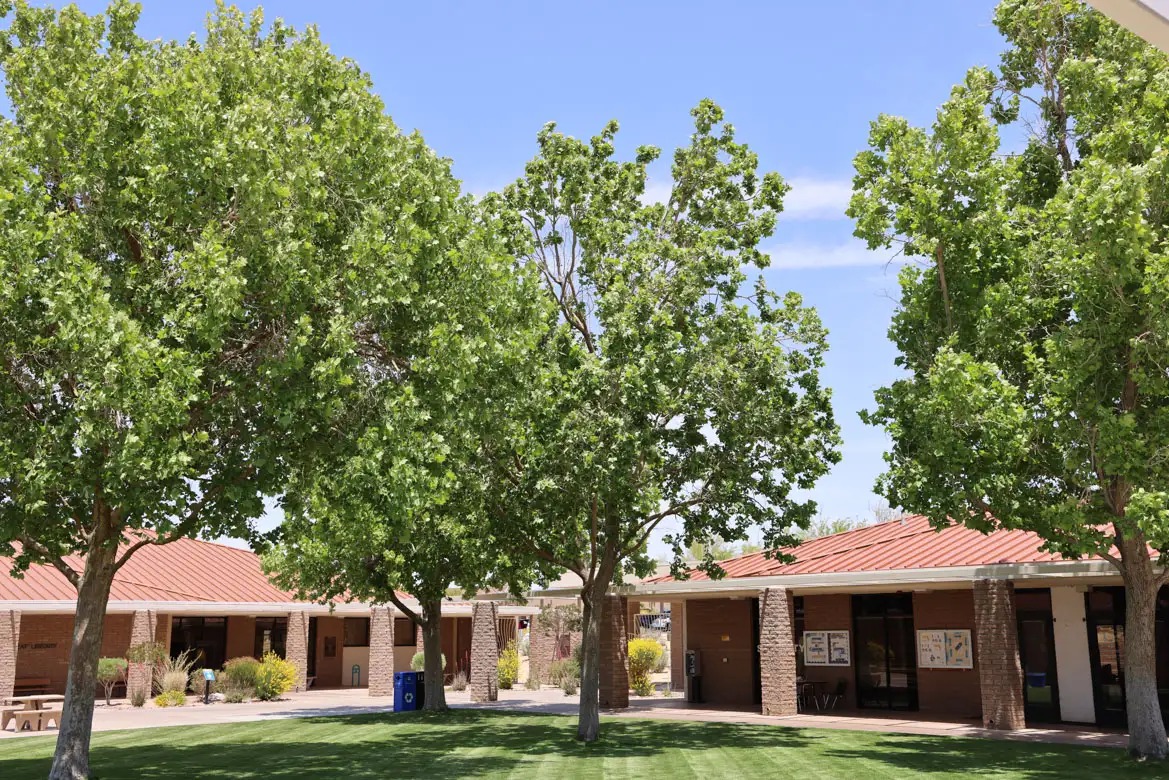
x,y
884,651
1037,653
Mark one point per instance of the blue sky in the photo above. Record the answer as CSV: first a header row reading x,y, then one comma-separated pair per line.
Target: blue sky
x,y
800,81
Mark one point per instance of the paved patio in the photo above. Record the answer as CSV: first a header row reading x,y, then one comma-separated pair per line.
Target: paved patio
x,y
343,701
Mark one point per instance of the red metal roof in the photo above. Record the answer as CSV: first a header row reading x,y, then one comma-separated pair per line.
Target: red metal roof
x,y
908,543
183,570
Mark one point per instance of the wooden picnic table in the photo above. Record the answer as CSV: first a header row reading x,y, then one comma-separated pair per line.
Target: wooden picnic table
x,y
35,702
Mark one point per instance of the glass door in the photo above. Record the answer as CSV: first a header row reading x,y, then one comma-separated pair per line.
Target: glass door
x,y
1037,653
884,651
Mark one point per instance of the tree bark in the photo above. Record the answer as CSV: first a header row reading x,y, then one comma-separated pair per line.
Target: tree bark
x,y
435,693
1146,728
71,760
589,717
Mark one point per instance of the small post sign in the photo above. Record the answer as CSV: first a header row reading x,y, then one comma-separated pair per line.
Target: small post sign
x,y
208,678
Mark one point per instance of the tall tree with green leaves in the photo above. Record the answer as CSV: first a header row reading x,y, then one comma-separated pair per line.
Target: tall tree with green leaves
x,y
399,501
198,241
1034,327
675,387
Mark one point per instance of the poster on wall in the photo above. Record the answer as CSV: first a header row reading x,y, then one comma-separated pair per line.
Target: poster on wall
x,y
827,648
944,649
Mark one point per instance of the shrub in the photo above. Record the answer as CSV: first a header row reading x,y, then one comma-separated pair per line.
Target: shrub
x,y
241,672
533,681
459,682
418,662
565,668
275,677
570,685
198,683
509,666
172,674
110,671
236,694
644,655
138,697
170,699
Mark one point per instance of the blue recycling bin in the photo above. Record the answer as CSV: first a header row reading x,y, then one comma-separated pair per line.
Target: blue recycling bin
x,y
405,691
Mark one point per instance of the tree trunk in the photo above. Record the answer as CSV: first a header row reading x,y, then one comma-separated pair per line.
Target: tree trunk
x,y
589,719
1146,728
71,760
435,694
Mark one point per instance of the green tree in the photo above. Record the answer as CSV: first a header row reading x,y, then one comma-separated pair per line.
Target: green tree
x,y
827,526
715,548
1034,328
192,237
672,387
398,502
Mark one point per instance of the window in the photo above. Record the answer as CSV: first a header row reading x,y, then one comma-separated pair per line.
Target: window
x,y
206,638
357,632
403,632
271,634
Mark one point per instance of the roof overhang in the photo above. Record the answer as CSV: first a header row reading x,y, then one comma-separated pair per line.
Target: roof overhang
x,y
246,608
1088,572
1147,18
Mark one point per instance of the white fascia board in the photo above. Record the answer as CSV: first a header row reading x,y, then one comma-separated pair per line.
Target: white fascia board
x,y
1147,18
221,608
951,576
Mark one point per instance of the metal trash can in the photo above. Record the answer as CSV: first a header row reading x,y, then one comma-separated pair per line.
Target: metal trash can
x,y
405,692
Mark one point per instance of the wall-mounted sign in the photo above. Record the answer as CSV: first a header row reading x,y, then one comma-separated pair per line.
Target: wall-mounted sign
x,y
947,648
827,648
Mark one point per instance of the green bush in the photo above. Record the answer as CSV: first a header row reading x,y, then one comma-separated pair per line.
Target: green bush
x,y
509,666
170,699
565,668
236,694
241,672
570,685
418,662
644,655
274,678
198,683
110,671
138,697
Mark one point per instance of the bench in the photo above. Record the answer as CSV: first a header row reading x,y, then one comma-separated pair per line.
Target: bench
x,y
26,686
26,718
7,715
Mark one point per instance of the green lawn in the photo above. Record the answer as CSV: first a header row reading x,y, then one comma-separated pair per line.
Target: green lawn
x,y
468,743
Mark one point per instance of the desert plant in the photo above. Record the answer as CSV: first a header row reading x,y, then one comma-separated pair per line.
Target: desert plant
x,y
644,655
533,682
570,685
509,666
663,662
564,668
110,671
172,674
241,672
138,697
460,682
236,694
274,678
197,682
418,662
170,698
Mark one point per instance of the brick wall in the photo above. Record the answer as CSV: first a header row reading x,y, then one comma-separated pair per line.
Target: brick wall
x,y
721,630
614,664
777,654
677,647
296,647
9,641
143,628
381,652
997,643
832,612
484,651
951,692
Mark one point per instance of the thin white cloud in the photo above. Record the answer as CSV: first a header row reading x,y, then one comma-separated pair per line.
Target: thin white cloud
x,y
846,255
817,198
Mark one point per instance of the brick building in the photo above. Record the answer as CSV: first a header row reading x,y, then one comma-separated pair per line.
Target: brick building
x,y
951,624
216,601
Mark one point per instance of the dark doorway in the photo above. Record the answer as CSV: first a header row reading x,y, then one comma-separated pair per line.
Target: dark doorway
x,y
271,636
205,637
312,647
884,651
1037,655
756,658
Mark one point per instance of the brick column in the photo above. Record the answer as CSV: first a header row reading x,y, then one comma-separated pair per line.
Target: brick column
x,y
296,647
9,643
381,652
614,653
140,676
484,651
777,652
677,648
997,644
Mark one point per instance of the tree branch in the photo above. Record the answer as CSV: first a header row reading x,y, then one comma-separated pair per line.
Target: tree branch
x,y
57,561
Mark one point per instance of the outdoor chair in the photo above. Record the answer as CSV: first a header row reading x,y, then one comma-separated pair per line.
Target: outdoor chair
x,y
834,698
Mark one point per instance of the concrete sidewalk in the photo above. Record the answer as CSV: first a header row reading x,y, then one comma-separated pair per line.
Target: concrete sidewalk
x,y
323,703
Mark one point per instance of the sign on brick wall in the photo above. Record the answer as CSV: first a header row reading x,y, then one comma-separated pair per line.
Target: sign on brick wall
x,y
944,649
827,648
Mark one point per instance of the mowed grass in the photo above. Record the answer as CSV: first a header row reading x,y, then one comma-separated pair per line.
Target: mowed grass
x,y
470,743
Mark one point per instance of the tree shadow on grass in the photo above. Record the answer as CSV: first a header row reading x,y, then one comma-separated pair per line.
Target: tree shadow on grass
x,y
458,743
1031,760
